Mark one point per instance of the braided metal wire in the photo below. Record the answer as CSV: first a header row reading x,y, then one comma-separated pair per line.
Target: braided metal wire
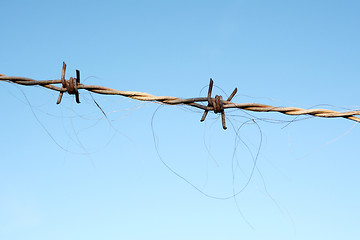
x,y
217,104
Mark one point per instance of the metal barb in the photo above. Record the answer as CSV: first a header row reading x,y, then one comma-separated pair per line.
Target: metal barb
x,y
217,104
232,95
70,85
77,82
209,100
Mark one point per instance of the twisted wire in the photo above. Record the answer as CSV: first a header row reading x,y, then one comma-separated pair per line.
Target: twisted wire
x,y
194,102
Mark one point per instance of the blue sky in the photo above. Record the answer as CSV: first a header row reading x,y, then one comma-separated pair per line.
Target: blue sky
x,y
69,173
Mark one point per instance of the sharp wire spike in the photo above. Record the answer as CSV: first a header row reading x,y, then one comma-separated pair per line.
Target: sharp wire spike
x,y
217,104
69,85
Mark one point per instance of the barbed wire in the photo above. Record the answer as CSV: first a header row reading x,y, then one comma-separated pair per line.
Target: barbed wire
x,y
215,104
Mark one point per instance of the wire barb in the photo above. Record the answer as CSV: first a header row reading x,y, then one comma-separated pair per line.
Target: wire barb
x,y
217,104
70,86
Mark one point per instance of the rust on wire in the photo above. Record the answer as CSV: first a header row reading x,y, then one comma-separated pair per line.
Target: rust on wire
x,y
216,105
70,86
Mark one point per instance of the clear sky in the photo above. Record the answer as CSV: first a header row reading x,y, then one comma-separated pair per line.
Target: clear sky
x,y
69,173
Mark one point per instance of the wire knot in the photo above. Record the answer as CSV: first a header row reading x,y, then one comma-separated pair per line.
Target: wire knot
x,y
70,86
217,104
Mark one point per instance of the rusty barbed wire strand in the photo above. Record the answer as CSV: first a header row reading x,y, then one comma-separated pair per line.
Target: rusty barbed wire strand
x,y
217,104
